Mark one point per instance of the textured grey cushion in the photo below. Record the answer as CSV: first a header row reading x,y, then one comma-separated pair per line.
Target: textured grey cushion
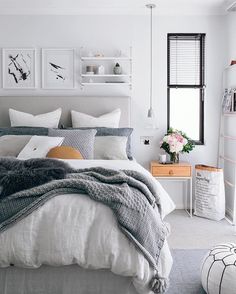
x,y
123,132
11,145
33,131
83,140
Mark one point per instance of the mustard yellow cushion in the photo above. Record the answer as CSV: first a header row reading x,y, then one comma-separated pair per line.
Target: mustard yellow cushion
x,y
64,152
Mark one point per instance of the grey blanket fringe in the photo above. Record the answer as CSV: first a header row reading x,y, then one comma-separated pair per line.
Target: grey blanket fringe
x,y
130,194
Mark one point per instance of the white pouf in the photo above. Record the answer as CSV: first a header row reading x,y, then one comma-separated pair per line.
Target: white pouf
x,y
218,270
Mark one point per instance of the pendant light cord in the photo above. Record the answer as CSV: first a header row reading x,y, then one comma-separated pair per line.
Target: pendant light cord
x,y
150,111
151,58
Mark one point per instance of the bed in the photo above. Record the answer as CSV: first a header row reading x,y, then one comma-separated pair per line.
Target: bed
x,y
61,248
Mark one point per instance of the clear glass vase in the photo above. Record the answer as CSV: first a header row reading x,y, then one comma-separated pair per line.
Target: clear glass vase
x,y
174,157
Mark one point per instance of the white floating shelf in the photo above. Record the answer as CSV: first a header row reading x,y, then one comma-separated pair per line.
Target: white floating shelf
x,y
106,58
105,84
108,75
232,113
109,79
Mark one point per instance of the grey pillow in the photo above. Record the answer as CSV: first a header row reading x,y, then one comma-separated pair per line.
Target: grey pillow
x,y
123,132
33,131
11,145
83,140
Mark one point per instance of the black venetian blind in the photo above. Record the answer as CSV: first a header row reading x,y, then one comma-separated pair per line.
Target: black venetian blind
x,y
186,60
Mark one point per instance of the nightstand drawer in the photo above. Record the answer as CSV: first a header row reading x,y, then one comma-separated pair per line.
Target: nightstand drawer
x,y
171,171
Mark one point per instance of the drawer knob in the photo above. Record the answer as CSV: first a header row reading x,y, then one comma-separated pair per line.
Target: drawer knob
x,y
171,172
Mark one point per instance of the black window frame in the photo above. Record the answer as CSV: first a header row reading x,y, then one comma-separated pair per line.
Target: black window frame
x,y
202,86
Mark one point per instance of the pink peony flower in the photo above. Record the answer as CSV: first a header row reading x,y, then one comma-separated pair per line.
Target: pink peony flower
x,y
176,142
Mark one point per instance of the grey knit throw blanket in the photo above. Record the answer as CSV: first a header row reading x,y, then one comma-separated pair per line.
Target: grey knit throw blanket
x,y
130,195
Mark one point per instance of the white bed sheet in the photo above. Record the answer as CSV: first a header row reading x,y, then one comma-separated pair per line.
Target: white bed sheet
x,y
73,229
63,280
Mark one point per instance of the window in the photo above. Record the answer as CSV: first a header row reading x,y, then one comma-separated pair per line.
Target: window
x,y
186,84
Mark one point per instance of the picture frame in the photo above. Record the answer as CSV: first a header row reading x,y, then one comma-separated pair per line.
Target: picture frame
x,y
19,68
227,104
233,95
58,68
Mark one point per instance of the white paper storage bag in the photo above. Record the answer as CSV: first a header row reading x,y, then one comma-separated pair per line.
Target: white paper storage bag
x,y
209,192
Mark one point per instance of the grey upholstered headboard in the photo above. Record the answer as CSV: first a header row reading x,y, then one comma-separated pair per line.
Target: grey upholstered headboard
x,y
91,105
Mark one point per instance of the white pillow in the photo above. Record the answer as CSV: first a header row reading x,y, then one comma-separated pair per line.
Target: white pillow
x,y
46,120
39,146
110,147
11,145
108,120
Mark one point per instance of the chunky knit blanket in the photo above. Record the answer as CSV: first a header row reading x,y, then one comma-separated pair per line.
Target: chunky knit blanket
x,y
130,195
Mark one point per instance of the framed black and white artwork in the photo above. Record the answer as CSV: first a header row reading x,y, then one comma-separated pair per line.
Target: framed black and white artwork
x,y
18,68
58,70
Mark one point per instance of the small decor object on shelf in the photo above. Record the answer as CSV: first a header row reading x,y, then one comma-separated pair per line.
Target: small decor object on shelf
x,y
100,70
91,69
117,69
176,142
99,55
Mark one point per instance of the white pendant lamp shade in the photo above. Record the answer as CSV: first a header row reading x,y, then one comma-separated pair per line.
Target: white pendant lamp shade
x,y
150,113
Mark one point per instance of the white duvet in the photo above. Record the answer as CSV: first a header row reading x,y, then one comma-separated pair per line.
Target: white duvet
x,y
73,229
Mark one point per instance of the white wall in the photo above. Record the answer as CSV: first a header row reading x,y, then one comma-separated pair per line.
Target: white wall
x,y
231,40
120,32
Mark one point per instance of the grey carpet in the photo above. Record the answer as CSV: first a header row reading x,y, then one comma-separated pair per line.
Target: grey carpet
x,y
185,273
188,233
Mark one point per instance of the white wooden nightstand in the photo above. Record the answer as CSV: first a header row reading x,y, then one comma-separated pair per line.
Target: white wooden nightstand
x,y
176,172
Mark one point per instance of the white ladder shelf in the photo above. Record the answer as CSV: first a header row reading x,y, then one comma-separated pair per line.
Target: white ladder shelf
x,y
222,159
226,138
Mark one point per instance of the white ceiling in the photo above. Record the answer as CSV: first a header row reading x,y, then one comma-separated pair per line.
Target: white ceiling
x,y
112,6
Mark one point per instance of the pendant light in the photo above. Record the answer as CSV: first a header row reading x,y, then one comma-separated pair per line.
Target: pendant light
x,y
151,114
